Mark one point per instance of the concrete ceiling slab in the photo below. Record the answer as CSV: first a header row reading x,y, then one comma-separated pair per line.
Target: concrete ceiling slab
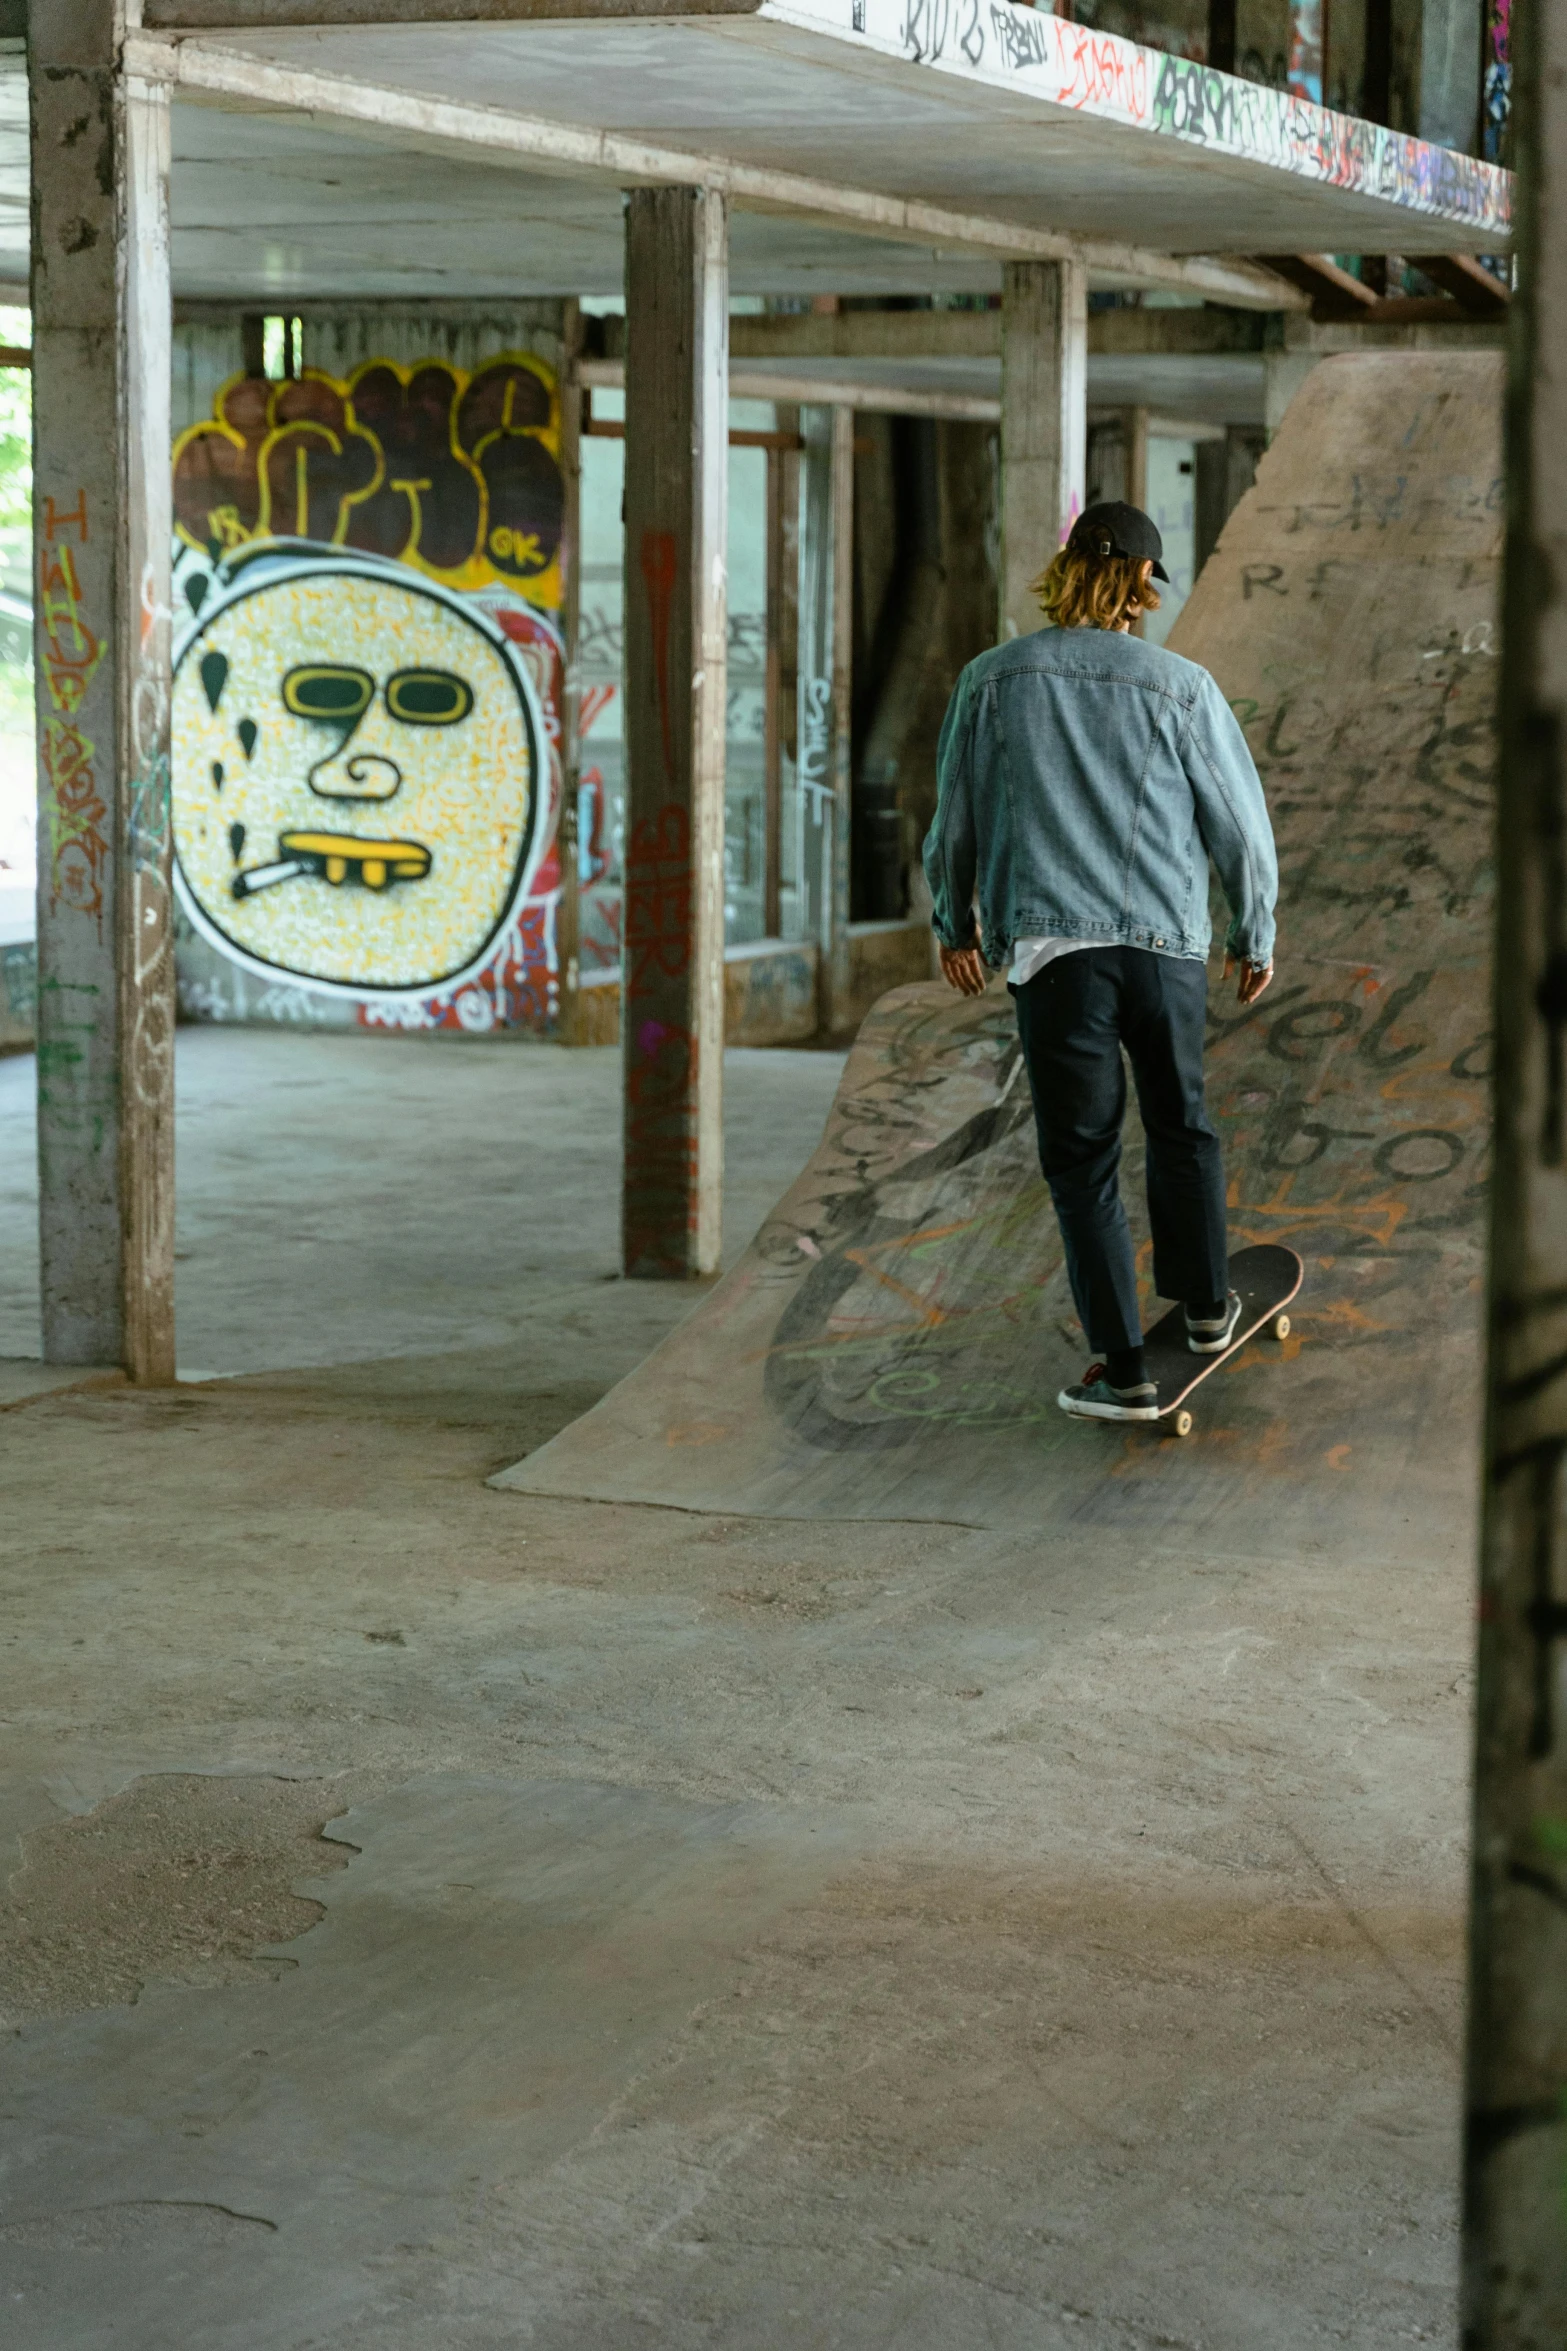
x,y
274,207
999,111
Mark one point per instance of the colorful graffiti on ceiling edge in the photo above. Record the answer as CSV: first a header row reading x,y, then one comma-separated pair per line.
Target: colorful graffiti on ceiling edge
x,y
367,696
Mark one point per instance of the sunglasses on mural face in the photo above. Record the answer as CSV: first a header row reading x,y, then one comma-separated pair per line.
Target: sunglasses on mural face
x,y
337,695
333,694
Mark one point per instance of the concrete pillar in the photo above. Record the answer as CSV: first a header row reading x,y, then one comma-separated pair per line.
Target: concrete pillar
x,y
1515,2219
826,656
1450,72
101,531
1134,426
780,748
1283,373
1044,424
834,965
568,907
672,1001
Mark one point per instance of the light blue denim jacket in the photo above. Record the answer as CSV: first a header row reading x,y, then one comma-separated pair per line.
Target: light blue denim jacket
x,y
1084,781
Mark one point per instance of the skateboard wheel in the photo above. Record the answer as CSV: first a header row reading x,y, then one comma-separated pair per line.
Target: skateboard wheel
x,y
1180,1424
1279,1327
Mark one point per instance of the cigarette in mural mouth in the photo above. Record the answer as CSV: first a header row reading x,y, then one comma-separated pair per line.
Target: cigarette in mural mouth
x,y
337,858
262,877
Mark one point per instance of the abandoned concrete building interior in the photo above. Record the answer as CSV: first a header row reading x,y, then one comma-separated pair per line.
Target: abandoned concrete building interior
x,y
588,1759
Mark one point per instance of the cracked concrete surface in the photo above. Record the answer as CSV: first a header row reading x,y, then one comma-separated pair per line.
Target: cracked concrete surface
x,y
742,1932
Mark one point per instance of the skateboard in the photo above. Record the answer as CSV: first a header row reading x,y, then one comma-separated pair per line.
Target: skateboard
x,y
1267,1278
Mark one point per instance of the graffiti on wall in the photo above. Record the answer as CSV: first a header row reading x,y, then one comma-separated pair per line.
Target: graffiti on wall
x,y
1498,91
368,688
355,792
1099,73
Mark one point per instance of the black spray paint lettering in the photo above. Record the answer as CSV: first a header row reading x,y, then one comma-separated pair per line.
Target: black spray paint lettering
x,y
1393,1158
1273,747
1289,1126
1463,1065
1262,575
1372,1046
1289,1039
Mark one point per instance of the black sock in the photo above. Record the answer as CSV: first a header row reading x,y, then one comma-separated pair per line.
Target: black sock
x,y
1208,1309
1124,1367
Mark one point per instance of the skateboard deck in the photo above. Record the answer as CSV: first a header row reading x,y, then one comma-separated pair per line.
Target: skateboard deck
x,y
1267,1278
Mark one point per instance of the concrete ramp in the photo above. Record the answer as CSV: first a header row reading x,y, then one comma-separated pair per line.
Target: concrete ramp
x,y
892,1343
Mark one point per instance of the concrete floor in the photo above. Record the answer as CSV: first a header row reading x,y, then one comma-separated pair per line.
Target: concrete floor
x,y
343,1197
454,1917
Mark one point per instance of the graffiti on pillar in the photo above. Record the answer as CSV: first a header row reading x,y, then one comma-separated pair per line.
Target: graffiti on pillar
x,y
76,816
369,680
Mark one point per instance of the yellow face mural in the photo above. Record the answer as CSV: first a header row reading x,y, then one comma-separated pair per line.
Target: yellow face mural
x,y
356,778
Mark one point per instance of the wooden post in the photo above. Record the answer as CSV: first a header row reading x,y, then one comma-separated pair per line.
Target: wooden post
x,y
672,984
568,911
1515,2222
1044,424
101,530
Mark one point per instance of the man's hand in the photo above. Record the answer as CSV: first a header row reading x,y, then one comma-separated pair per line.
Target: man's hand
x,y
1254,978
963,968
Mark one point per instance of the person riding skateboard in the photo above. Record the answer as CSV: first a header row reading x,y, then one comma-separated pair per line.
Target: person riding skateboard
x,y
1085,781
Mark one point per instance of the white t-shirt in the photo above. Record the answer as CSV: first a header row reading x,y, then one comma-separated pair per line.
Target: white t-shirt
x,y
1031,955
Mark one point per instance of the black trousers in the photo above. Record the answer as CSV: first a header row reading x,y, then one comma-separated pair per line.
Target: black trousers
x,y
1074,1017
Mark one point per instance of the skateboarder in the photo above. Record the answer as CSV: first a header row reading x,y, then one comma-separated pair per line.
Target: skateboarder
x,y
1085,780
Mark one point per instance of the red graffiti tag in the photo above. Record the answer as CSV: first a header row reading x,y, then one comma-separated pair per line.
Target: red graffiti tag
x,y
658,571
1104,71
74,811
76,818
658,896
661,1149
71,652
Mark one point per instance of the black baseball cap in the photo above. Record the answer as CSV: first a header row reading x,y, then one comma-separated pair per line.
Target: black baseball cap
x,y
1112,527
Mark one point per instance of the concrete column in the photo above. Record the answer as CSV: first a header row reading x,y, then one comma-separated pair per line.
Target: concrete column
x,y
834,965
101,531
1450,74
672,1000
1044,424
568,909
1134,426
1283,373
780,748
1515,2220
826,652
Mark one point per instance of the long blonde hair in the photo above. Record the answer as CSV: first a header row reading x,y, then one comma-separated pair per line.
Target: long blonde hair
x,y
1081,589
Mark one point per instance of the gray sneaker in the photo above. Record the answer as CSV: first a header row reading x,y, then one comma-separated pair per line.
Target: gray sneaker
x,y
1093,1398
1211,1338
